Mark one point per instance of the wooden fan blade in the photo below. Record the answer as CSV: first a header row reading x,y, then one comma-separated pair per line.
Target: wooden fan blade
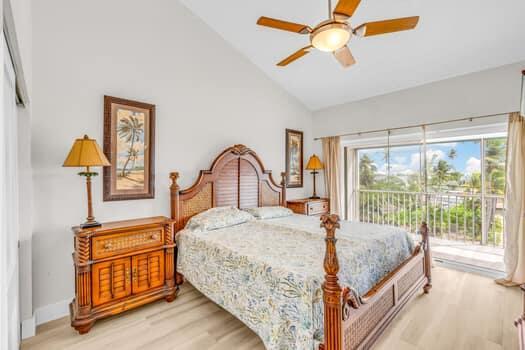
x,y
296,55
344,56
345,9
283,25
387,26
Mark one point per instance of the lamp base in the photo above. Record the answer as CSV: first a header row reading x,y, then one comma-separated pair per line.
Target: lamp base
x,y
89,224
314,197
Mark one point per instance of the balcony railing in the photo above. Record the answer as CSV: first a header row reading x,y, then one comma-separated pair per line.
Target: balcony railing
x,y
474,218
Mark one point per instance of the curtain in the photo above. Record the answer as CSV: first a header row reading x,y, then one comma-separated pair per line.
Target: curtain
x,y
332,172
515,202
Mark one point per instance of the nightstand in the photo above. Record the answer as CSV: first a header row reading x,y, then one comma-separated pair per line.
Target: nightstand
x,y
307,206
121,265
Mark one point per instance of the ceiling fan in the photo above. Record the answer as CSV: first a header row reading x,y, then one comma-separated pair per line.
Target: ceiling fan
x,y
333,34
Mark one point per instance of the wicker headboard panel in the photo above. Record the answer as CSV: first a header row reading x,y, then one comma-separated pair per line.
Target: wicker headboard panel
x,y
236,178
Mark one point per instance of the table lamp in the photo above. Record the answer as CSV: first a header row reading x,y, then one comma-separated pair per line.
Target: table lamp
x,y
314,164
87,153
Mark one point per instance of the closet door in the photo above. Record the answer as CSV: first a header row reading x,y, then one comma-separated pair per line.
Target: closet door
x,y
111,280
148,271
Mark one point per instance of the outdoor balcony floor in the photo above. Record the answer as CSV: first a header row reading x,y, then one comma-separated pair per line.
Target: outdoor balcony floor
x,y
468,253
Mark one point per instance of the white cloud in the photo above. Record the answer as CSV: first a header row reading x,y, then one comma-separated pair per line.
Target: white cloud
x,y
396,169
414,161
473,165
437,154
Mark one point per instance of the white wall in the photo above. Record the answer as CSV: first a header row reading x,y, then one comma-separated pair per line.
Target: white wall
x,y
207,95
486,92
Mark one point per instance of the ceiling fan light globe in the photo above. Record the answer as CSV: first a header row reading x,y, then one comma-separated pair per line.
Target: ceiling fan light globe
x,y
330,37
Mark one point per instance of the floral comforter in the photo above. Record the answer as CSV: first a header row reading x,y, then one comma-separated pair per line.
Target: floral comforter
x,y
268,273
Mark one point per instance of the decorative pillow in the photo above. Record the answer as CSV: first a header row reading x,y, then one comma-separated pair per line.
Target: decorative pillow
x,y
216,218
269,212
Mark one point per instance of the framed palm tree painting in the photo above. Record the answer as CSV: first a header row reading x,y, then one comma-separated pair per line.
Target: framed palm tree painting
x,y
294,158
129,137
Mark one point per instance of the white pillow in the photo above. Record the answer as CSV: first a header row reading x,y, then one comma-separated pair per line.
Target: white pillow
x,y
216,218
269,212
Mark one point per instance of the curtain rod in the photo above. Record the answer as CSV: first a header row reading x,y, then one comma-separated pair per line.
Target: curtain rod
x,y
418,125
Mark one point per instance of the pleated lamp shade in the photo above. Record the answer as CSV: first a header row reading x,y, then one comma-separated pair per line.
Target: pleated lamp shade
x,y
314,163
86,152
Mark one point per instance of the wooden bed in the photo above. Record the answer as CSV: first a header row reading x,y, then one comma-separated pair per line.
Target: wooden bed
x,y
238,178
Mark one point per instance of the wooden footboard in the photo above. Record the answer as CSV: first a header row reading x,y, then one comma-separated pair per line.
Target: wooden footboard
x,y
353,322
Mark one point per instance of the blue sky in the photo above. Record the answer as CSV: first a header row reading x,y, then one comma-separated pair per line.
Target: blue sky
x,y
405,160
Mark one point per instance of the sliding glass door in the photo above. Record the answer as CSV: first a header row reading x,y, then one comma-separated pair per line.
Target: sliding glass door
x,y
460,195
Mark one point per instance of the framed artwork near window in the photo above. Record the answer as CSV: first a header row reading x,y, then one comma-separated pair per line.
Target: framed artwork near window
x,y
129,145
294,158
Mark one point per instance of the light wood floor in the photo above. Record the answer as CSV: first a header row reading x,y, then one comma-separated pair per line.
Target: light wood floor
x,y
463,311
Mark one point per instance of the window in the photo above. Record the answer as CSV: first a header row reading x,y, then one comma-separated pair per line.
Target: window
x,y
460,194
396,169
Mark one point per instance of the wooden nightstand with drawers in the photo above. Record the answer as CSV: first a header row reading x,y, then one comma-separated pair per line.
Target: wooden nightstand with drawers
x,y
121,265
308,206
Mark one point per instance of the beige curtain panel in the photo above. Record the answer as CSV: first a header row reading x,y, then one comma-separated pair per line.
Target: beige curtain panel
x,y
332,171
351,200
515,202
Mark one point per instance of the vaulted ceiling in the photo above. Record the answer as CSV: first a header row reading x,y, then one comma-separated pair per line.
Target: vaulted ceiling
x,y
453,37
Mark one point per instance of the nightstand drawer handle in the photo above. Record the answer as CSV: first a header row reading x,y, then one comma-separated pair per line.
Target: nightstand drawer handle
x,y
155,236
108,245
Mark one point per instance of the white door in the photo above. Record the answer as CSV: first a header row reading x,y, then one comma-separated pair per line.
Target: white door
x,y
9,303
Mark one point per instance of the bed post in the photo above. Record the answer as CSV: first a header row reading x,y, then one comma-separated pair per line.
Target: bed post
x,y
428,257
283,184
332,292
174,196
175,215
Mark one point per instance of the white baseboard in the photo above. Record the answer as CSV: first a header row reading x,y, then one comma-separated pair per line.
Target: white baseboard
x,y
42,315
28,328
52,312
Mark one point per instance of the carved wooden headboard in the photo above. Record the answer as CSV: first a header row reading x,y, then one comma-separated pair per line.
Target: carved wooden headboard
x,y
236,178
